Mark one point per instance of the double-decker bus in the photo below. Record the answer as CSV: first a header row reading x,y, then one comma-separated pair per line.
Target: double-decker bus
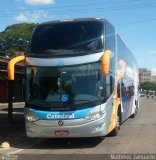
x,y
81,80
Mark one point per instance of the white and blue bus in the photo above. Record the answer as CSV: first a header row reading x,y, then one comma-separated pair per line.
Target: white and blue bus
x,y
81,80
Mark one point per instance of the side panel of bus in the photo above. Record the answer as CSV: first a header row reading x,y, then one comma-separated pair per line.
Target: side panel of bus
x,y
127,82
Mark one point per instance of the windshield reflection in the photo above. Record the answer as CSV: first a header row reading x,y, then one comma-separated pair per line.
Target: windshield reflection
x,y
74,85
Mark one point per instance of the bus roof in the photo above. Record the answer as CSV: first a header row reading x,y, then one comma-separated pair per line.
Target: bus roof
x,y
72,20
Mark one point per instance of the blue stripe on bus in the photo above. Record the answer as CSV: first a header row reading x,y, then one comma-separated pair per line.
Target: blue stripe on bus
x,y
59,115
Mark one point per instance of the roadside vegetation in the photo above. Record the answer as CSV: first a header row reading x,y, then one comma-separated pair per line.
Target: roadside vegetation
x,y
14,40
148,86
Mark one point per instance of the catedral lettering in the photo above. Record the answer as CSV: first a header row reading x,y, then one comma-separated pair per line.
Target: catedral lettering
x,y
62,116
79,71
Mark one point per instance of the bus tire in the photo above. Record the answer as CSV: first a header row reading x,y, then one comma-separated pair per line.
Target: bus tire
x,y
136,110
134,114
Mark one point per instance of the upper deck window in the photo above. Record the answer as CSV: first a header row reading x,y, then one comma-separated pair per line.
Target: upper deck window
x,y
67,38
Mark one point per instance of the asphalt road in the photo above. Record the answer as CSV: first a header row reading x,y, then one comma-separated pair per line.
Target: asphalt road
x,y
137,136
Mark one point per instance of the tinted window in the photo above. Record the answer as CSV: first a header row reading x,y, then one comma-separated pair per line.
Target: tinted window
x,y
67,38
110,37
127,83
77,86
110,45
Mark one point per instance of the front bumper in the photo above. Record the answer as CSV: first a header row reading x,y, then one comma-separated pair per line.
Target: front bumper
x,y
95,128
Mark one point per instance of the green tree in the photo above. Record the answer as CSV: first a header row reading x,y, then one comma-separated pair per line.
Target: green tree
x,y
148,86
15,38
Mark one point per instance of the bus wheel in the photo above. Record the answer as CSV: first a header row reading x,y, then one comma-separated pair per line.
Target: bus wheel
x,y
116,129
136,110
134,114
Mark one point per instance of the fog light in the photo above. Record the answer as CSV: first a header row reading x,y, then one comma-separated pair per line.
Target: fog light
x,y
99,127
30,129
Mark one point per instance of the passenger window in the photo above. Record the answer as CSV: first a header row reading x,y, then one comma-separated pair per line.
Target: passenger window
x,y
110,37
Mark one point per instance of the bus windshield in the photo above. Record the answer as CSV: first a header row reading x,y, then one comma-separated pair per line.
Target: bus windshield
x,y
67,38
65,86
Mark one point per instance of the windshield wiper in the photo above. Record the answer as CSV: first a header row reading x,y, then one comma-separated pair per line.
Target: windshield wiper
x,y
86,100
64,52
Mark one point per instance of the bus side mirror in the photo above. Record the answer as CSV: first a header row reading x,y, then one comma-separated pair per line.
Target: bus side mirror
x,y
105,62
11,66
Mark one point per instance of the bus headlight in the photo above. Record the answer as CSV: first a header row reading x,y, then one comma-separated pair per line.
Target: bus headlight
x,y
94,114
94,117
31,117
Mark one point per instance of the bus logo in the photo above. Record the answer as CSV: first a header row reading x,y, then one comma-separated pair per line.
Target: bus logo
x,y
60,123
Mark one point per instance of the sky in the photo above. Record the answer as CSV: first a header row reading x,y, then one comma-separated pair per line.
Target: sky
x,y
134,20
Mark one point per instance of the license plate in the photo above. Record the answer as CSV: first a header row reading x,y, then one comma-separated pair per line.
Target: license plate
x,y
62,133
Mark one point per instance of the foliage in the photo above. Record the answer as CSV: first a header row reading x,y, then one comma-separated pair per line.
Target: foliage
x,y
148,86
15,39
